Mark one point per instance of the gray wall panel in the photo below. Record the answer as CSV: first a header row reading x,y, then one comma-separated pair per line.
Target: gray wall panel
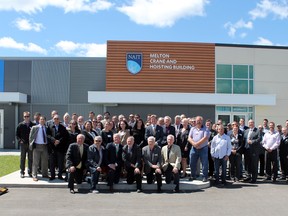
x,y
89,75
9,126
11,70
46,110
49,82
84,109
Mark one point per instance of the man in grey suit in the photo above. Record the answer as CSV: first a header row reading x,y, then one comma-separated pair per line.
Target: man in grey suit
x,y
152,162
38,142
171,159
251,155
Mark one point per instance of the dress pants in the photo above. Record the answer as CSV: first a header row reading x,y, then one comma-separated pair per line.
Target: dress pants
x,y
24,147
40,153
76,176
271,159
251,161
131,177
284,165
114,175
56,157
150,178
211,163
235,163
168,176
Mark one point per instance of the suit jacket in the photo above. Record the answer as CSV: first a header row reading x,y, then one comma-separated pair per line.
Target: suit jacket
x,y
241,143
33,134
132,158
283,148
158,133
255,137
73,157
89,140
174,157
93,161
169,130
112,156
22,132
62,135
151,158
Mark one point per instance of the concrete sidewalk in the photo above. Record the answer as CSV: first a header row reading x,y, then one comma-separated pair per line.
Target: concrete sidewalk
x,y
14,180
10,152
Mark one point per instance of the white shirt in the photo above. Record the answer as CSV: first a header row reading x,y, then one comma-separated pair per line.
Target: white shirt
x,y
221,146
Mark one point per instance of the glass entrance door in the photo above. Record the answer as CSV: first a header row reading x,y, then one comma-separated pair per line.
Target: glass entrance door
x,y
225,118
237,117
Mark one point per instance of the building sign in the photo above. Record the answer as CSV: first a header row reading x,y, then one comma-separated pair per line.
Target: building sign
x,y
135,66
166,61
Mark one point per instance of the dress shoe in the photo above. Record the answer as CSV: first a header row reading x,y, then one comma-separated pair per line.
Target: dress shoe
x,y
274,180
176,189
35,179
30,175
252,181
60,178
111,189
51,178
72,191
190,179
22,175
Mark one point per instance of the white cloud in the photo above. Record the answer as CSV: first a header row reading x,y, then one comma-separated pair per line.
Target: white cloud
x,y
263,41
34,6
232,28
162,13
265,7
28,25
10,43
82,49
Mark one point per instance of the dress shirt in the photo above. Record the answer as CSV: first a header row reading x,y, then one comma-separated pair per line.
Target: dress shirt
x,y
41,136
221,146
271,140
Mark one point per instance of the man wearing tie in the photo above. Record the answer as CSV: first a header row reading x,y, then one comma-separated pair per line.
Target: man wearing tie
x,y
38,143
251,155
59,137
76,161
132,162
154,130
171,159
152,162
114,161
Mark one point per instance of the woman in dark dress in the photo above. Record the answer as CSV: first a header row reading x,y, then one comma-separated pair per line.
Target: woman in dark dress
x,y
182,141
138,132
89,133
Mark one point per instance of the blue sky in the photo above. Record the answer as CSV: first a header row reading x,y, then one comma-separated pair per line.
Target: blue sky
x,y
45,28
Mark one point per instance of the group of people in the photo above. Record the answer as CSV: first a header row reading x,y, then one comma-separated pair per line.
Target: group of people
x,y
115,147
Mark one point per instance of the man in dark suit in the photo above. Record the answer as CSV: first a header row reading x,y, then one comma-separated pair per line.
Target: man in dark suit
x,y
169,129
96,161
171,159
114,161
154,130
22,135
251,151
152,162
76,161
59,137
38,142
132,163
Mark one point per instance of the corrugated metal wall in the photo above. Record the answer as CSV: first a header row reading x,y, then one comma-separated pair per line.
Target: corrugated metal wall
x,y
50,82
86,76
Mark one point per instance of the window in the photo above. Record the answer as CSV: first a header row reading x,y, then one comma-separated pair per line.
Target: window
x,y
234,79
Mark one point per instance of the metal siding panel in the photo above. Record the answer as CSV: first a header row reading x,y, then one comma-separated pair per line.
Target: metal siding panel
x,y
86,76
84,109
45,110
49,82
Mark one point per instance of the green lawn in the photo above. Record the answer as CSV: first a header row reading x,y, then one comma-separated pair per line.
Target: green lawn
x,y
9,164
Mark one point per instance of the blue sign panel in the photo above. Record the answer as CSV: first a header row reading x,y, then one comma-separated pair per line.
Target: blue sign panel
x,y
134,62
1,76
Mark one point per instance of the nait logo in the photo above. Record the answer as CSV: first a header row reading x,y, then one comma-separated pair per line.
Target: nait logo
x,y
134,62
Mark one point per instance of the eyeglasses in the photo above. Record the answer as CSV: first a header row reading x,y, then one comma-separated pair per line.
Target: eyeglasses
x,y
97,140
26,116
